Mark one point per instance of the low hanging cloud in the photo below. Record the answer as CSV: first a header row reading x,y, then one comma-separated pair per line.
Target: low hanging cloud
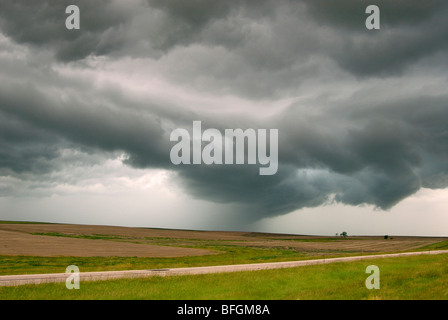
x,y
362,115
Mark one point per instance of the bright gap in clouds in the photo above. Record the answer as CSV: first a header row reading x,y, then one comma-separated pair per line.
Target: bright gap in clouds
x,y
422,214
144,79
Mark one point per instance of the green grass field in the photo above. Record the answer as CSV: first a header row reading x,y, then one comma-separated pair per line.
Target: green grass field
x,y
226,255
417,277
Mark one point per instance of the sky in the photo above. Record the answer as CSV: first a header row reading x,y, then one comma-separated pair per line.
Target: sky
x,y
362,115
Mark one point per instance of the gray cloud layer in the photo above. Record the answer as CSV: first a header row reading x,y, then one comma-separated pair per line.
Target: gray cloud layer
x,y
368,125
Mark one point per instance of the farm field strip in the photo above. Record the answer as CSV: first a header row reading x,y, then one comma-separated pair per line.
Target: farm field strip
x,y
50,248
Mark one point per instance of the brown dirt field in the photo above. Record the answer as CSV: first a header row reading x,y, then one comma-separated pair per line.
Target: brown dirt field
x,y
22,243
125,231
348,245
16,239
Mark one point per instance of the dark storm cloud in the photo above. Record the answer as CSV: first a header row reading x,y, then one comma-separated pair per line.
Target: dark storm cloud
x,y
257,196
99,125
272,47
22,147
109,26
378,158
346,12
375,147
356,160
265,36
42,23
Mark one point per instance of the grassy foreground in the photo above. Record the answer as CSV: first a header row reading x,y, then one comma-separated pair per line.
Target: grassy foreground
x,y
417,277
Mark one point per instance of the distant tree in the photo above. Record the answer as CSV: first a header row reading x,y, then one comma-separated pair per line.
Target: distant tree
x,y
386,237
343,234
337,234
